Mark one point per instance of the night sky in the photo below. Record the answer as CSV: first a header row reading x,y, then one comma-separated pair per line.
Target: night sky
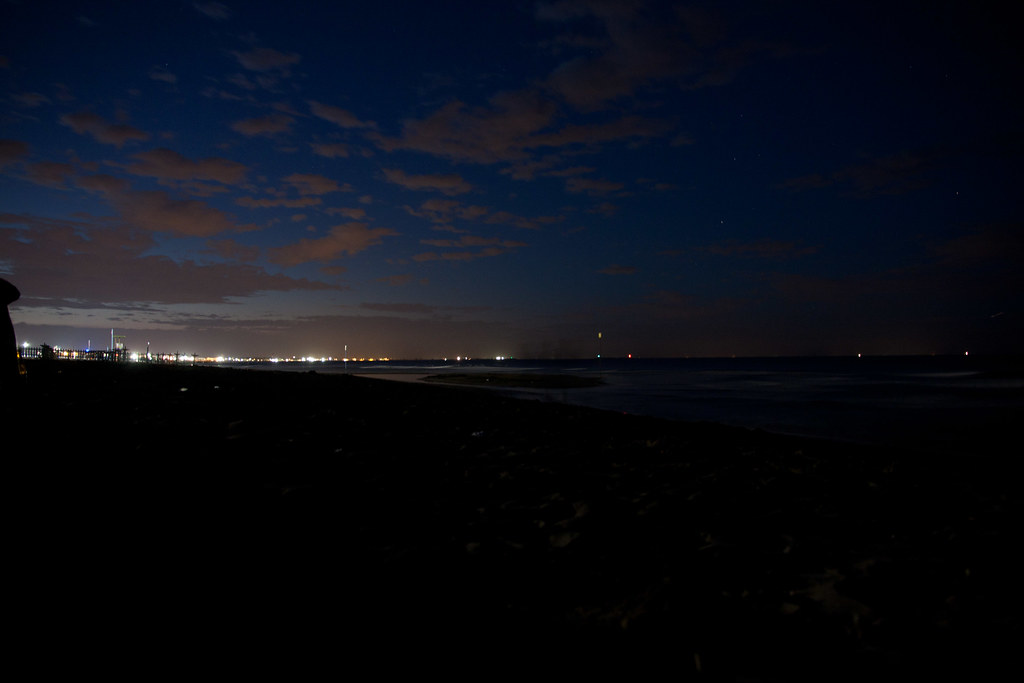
x,y
432,179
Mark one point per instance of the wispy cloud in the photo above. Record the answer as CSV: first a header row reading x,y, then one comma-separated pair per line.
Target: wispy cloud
x,y
12,151
642,45
159,73
467,247
110,267
449,184
893,174
592,186
766,248
101,130
214,10
157,211
330,150
447,210
265,59
167,164
496,132
617,269
30,99
271,124
337,116
342,240
267,202
49,173
314,184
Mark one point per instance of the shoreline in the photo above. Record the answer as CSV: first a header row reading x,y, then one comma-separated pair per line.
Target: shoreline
x,y
421,509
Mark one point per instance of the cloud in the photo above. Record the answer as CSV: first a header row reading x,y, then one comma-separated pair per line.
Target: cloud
x,y
49,173
472,246
894,174
271,124
568,172
264,203
311,183
30,99
337,116
103,183
458,255
214,10
158,73
449,184
592,134
157,211
98,267
509,129
592,186
765,248
984,246
642,45
12,151
233,250
890,175
117,134
446,210
632,50
329,150
399,307
606,209
811,181
354,214
397,280
264,59
347,239
506,218
239,81
616,269
473,241
170,165
484,135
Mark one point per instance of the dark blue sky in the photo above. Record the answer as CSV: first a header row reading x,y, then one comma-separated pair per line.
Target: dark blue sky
x,y
511,178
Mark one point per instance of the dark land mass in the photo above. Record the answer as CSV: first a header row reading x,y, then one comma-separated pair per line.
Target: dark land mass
x,y
167,512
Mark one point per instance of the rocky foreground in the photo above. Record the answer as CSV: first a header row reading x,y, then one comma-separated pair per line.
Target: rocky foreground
x,y
175,510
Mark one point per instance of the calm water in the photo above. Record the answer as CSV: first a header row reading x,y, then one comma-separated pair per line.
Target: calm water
x,y
946,403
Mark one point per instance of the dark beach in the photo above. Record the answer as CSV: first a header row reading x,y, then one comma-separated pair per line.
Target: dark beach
x,y
204,509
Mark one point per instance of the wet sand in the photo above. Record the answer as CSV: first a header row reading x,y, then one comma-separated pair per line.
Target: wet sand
x,y
206,509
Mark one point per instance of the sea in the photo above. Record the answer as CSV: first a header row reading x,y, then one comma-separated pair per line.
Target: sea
x,y
932,404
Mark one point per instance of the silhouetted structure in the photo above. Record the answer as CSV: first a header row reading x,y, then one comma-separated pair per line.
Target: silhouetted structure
x,y
9,372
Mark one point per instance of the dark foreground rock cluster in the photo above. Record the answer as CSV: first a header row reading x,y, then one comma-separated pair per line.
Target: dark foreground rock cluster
x,y
162,512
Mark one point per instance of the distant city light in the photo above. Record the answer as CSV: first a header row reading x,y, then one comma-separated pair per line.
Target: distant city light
x,y
122,353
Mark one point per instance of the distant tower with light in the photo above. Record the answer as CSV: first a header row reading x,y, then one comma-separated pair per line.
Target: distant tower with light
x,y
117,346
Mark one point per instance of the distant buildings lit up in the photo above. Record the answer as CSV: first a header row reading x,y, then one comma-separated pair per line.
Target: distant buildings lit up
x,y
123,354
119,351
46,352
